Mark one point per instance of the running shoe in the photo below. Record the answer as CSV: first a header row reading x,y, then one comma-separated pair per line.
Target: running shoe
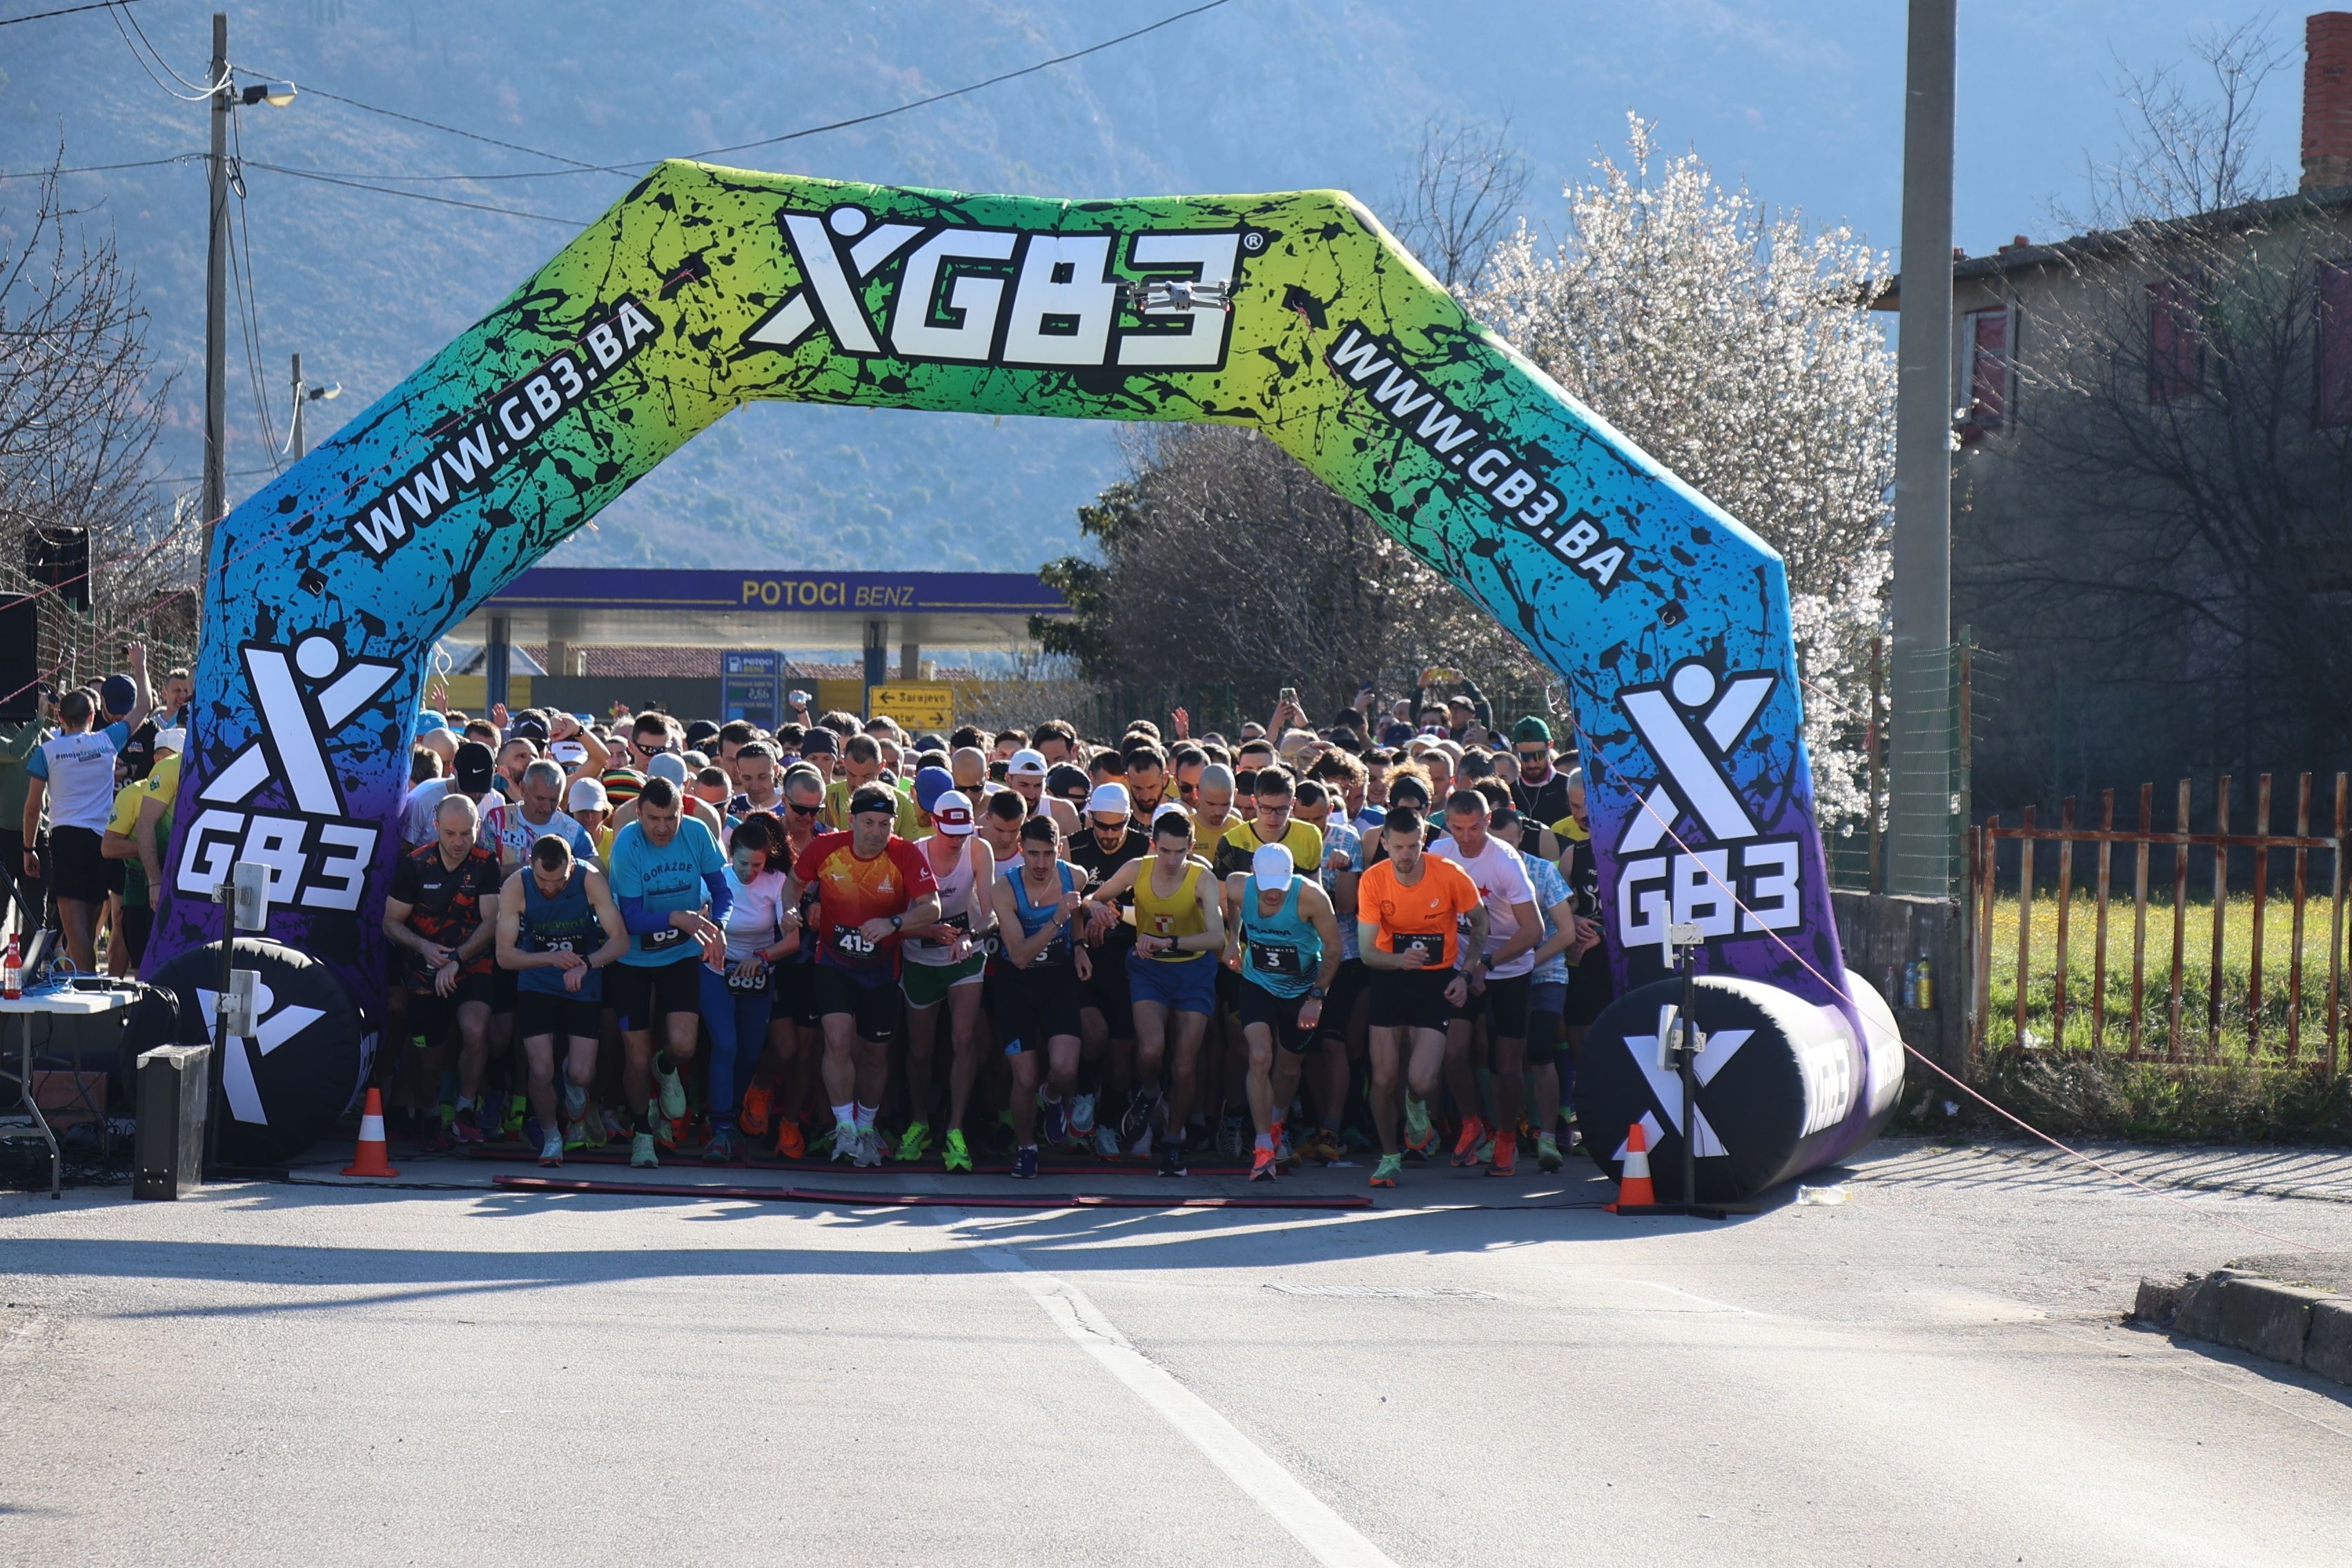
x,y
518,1108
792,1143
616,1126
844,1142
1107,1141
1136,1119
437,1141
722,1148
1058,1122
1546,1152
1486,1153
1465,1148
533,1134
466,1128
665,1129
1503,1161
869,1149
1082,1116
754,1120
1172,1160
672,1090
1321,1145
1025,1163
1354,1139
915,1141
575,1133
1284,1155
1262,1166
1385,1173
551,1150
825,1144
1230,1132
1419,1135
956,1156
641,1151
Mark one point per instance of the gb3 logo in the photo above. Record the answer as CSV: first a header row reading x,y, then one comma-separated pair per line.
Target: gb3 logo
x,y
318,858
1740,881
949,304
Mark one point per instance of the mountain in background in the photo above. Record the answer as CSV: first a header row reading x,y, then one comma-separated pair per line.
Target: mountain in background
x,y
1803,102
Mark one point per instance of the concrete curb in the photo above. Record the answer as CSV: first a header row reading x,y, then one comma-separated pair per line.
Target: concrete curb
x,y
2306,1329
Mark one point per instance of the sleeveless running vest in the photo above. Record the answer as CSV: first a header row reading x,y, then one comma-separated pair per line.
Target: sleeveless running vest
x,y
564,924
1283,951
1035,918
957,906
1176,914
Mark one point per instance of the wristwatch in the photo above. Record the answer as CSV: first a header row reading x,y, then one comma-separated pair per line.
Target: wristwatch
x,y
1316,992
898,923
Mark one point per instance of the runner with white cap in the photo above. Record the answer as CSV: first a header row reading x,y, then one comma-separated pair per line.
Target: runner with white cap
x,y
1024,775
1287,948
592,808
945,964
1105,1020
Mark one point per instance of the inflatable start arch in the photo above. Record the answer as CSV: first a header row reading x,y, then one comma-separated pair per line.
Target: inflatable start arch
x,y
706,288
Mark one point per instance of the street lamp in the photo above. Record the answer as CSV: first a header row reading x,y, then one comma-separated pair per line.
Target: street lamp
x,y
227,97
304,393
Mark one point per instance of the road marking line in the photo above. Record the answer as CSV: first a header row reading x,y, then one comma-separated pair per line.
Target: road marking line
x,y
1709,1301
1331,1539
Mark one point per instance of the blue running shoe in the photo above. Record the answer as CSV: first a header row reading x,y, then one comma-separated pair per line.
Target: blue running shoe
x,y
1025,1163
1057,1122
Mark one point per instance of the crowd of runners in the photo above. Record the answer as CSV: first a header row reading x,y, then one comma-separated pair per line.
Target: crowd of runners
x,y
1380,938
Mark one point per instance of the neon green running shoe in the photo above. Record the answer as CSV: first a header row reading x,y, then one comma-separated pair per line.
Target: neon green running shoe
x,y
1416,1120
517,1111
915,1141
1385,1173
955,1155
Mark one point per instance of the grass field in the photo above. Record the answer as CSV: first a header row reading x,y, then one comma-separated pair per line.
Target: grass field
x,y
2240,1039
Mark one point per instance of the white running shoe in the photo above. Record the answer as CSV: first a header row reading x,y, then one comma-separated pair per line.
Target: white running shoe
x,y
846,1142
641,1151
550,1149
869,1148
1107,1140
1082,1116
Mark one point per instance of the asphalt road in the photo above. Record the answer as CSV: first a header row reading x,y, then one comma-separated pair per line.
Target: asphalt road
x,y
1934,1373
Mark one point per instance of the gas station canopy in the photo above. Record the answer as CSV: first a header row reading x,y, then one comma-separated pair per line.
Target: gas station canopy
x,y
627,606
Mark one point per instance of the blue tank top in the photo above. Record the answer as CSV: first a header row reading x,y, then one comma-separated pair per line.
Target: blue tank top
x,y
564,924
1281,952
1035,918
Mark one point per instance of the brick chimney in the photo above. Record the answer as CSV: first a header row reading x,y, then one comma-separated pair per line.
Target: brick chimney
x,y
2327,99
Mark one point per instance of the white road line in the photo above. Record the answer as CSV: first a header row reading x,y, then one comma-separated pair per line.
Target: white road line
x,y
1708,1301
1331,1539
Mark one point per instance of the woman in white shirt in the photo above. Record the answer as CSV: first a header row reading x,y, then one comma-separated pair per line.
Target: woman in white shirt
x,y
762,927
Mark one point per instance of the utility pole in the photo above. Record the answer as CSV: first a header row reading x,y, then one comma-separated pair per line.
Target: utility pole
x,y
1920,783
301,443
215,498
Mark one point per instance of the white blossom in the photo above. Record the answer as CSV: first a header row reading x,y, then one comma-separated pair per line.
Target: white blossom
x,y
1737,348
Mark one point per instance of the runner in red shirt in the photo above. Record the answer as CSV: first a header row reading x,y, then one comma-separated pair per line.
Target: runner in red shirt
x,y
869,885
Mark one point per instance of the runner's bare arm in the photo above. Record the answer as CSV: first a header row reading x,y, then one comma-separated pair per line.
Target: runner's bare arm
x,y
608,915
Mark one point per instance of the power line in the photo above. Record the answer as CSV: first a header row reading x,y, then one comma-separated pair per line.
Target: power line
x,y
414,195
64,11
578,167
196,93
99,168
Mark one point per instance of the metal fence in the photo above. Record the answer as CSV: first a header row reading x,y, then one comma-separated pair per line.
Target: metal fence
x,y
2208,990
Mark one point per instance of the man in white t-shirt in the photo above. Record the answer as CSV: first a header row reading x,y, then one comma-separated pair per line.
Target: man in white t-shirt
x,y
1499,979
472,776
73,771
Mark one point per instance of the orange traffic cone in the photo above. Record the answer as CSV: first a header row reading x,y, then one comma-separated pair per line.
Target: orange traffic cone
x,y
1633,1189
371,1160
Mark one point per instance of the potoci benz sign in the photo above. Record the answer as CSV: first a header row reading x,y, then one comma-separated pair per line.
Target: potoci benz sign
x,y
959,294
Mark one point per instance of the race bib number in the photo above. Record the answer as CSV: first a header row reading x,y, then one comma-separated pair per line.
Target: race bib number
x,y
1276,958
1425,947
751,987
662,940
853,940
559,944
958,922
1054,952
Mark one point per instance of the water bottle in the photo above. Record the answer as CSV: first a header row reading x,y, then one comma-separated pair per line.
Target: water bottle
x,y
1927,984
1911,987
12,972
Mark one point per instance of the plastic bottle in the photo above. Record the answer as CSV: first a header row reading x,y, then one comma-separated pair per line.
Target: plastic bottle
x,y
1927,984
11,971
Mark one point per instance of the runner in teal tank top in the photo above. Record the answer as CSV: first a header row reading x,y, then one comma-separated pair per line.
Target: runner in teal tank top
x,y
1286,946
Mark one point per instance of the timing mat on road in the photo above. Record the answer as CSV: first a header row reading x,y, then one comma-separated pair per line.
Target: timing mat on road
x,y
916,1200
